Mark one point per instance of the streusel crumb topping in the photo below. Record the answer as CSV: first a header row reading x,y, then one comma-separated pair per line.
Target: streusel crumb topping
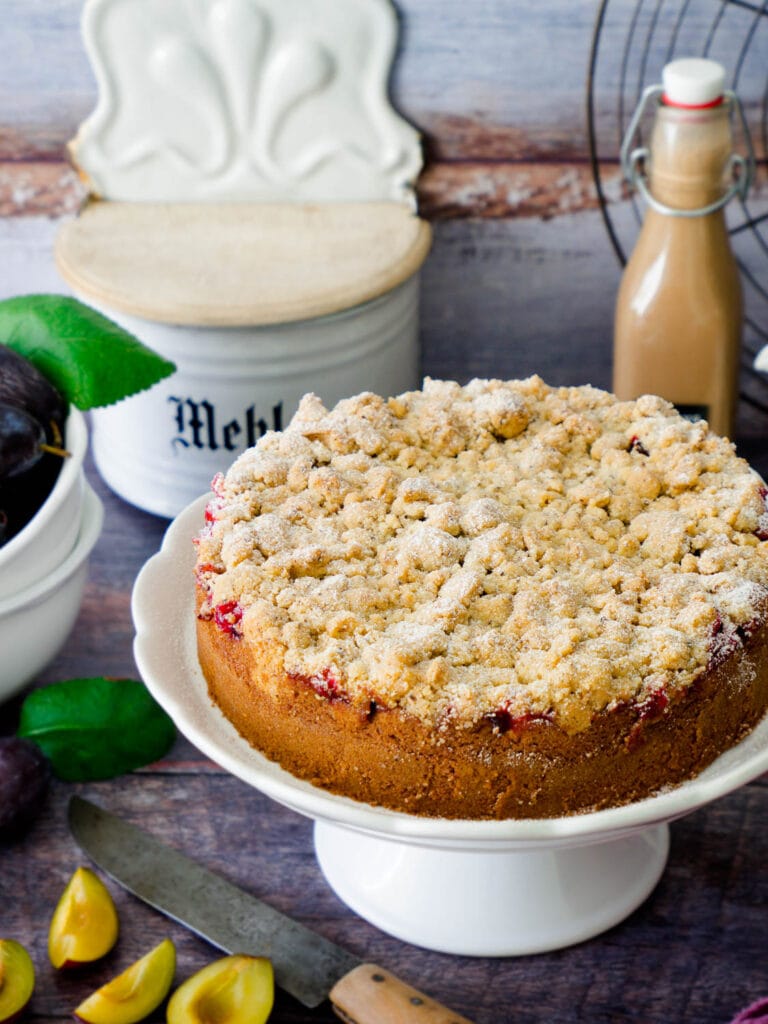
x,y
499,549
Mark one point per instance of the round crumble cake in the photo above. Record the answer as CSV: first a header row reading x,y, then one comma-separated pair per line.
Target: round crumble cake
x,y
493,601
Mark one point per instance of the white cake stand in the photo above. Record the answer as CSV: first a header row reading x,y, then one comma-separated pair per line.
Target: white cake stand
x,y
483,888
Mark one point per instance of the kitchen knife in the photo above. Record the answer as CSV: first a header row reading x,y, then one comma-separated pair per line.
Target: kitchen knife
x,y
305,964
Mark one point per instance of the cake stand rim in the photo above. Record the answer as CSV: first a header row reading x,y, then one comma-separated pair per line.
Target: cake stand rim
x,y
162,606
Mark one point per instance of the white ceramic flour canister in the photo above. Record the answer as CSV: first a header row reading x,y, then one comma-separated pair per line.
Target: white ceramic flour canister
x,y
251,217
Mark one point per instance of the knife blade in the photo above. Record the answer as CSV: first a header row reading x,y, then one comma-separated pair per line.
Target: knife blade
x,y
308,966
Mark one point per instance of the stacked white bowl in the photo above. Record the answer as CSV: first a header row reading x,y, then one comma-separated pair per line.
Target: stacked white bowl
x,y
43,568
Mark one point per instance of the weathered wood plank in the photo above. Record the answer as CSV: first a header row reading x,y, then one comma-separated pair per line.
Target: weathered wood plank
x,y
454,73
49,189
494,300
469,189
502,190
445,190
699,935
494,80
500,297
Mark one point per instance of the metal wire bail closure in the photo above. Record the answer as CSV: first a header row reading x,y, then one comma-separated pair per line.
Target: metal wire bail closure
x,y
741,168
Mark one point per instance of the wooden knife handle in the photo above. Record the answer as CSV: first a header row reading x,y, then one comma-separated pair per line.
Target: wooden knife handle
x,y
371,995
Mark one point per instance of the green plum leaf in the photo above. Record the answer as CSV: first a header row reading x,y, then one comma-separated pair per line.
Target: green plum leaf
x,y
91,360
96,728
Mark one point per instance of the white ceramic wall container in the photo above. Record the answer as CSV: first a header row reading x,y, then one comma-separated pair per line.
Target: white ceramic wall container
x,y
159,450
256,223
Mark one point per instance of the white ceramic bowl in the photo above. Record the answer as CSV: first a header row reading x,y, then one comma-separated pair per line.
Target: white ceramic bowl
x,y
49,537
36,621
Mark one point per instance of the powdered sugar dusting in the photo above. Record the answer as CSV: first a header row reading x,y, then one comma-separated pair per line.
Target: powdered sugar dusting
x,y
548,552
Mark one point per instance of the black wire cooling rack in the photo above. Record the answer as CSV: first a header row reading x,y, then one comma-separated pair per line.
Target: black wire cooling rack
x,y
631,43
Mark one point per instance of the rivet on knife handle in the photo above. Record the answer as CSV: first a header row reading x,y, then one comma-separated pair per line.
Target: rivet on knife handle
x,y
371,995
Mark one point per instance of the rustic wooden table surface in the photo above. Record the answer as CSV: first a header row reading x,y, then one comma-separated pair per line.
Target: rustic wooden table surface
x,y
694,952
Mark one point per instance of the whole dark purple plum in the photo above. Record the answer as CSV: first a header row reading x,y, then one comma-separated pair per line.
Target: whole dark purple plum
x,y
21,441
22,385
24,776
32,416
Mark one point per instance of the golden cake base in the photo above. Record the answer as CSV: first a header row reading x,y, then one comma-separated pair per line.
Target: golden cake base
x,y
538,771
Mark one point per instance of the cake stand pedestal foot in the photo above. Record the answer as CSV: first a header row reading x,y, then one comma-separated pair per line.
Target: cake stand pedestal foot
x,y
491,902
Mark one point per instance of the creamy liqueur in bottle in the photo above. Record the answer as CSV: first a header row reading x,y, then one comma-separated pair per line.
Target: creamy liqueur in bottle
x,y
678,312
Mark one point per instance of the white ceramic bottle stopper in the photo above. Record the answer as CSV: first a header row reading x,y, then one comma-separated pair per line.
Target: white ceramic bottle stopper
x,y
693,82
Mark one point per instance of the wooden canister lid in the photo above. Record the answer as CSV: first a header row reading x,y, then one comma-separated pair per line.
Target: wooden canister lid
x,y
238,264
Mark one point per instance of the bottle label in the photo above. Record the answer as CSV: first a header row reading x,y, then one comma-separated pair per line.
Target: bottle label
x,y
693,412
